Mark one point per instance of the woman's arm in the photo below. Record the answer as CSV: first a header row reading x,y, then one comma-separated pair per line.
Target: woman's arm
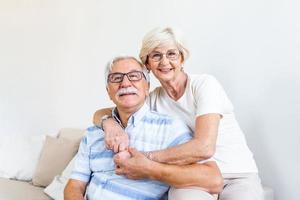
x,y
115,137
206,176
99,114
201,147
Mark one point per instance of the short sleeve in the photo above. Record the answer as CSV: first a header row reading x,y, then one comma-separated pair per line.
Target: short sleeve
x,y
81,170
210,96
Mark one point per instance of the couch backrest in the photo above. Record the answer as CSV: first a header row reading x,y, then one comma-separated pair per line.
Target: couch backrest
x,y
71,133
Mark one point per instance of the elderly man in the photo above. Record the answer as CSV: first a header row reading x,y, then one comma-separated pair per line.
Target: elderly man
x,y
95,171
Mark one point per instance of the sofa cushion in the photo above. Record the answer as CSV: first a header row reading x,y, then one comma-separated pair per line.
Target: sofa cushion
x,y
19,155
56,154
71,134
15,190
57,186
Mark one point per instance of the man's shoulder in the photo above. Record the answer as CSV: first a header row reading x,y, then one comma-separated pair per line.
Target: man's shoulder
x,y
155,118
171,127
152,114
162,119
93,129
93,133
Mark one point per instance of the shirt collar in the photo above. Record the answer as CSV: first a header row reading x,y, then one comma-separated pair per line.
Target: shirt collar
x,y
135,118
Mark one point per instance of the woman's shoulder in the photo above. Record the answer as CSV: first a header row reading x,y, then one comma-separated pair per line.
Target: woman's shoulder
x,y
156,92
201,77
201,80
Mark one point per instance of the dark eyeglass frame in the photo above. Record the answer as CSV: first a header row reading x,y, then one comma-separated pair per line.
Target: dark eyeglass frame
x,y
139,73
167,54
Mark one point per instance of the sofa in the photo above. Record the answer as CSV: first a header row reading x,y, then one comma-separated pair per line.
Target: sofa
x,y
53,169
54,163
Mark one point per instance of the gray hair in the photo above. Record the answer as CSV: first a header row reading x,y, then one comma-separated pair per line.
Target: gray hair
x,y
111,63
162,36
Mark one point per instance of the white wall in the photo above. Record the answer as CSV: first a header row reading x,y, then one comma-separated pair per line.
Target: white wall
x,y
52,56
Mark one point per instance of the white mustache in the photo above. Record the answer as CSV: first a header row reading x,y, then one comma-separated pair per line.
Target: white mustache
x,y
127,90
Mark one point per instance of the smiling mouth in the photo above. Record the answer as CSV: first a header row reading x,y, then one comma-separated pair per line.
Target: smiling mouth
x,y
165,70
127,94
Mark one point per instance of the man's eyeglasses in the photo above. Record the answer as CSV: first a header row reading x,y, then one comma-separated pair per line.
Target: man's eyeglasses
x,y
132,76
171,54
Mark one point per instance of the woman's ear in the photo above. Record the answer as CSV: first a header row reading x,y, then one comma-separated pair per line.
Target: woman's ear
x,y
147,89
148,67
181,59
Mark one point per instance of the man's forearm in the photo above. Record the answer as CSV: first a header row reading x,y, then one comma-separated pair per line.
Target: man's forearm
x,y
190,152
74,190
73,196
206,176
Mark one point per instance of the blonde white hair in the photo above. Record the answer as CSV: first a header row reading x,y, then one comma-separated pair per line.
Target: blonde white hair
x,y
162,36
111,63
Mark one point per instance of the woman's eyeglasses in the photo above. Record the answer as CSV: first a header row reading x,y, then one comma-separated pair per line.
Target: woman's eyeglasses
x,y
171,54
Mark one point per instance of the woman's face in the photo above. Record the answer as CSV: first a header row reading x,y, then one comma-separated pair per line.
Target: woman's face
x,y
165,62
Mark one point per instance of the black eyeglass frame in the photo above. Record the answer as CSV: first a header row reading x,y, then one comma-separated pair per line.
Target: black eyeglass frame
x,y
110,80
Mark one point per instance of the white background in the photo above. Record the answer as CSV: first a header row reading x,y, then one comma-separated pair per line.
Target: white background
x,y
53,53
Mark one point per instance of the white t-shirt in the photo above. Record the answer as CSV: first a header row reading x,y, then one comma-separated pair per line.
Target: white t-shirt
x,y
204,95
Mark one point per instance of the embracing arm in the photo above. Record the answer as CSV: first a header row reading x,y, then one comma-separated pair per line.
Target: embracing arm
x,y
100,113
201,147
205,176
115,137
75,190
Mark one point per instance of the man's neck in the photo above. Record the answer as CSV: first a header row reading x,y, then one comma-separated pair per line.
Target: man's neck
x,y
126,113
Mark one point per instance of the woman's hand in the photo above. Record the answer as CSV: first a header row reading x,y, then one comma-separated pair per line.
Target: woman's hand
x,y
135,167
115,137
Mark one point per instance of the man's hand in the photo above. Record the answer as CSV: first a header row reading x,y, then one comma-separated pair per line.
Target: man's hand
x,y
122,156
115,137
135,167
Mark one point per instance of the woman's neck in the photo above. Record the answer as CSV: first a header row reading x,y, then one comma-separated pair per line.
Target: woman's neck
x,y
176,87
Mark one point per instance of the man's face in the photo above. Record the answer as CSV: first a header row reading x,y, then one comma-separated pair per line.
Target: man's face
x,y
129,95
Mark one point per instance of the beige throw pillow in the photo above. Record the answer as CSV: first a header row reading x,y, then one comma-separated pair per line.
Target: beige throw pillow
x,y
71,134
56,188
55,156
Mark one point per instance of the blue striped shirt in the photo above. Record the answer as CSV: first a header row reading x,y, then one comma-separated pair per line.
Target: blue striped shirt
x,y
148,131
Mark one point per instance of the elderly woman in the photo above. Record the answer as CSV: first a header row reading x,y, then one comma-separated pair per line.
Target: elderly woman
x,y
201,102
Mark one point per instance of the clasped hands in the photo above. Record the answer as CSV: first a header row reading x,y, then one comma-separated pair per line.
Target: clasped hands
x,y
129,162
